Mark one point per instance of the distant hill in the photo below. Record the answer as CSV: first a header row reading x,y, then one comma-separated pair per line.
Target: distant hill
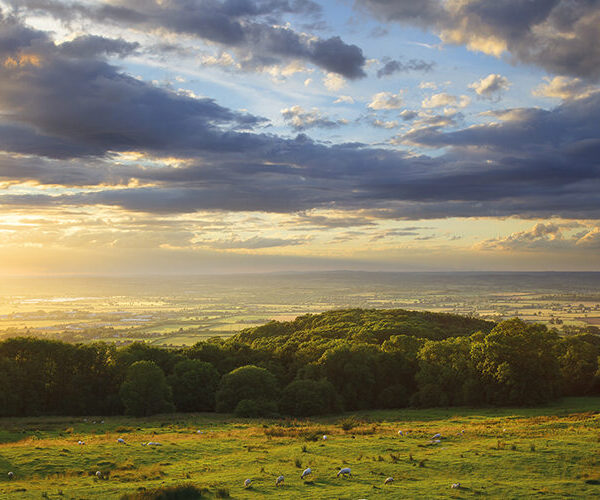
x,y
365,325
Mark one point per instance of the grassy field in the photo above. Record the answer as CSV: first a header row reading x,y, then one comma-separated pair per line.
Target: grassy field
x,y
546,452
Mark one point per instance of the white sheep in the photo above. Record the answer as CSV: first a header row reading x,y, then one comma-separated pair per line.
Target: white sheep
x,y
437,436
389,480
279,481
121,441
80,442
324,437
11,475
152,443
456,486
344,472
306,472
247,483
400,433
99,474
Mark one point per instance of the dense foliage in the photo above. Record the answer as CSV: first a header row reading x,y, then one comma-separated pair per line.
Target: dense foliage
x,y
340,360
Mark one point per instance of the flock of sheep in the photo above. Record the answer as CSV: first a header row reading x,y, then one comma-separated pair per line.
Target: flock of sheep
x,y
344,471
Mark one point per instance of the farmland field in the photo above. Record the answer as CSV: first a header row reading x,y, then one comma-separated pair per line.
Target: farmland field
x,y
176,311
546,452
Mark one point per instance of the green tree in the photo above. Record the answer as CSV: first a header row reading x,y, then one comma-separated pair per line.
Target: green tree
x,y
446,376
304,398
578,361
517,363
145,390
352,371
247,382
194,384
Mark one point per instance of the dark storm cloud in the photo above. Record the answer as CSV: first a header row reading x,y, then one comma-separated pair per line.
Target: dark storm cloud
x,y
63,104
300,119
393,66
252,28
561,36
77,112
93,46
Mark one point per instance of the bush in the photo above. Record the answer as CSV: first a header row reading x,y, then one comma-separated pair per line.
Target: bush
x,y
247,382
194,384
303,398
182,492
393,396
252,408
145,390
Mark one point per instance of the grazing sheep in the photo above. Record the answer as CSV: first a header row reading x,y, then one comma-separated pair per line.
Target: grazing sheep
x,y
80,442
279,481
389,480
344,472
99,474
436,441
306,472
11,475
400,433
151,443
456,486
437,436
121,441
247,483
324,437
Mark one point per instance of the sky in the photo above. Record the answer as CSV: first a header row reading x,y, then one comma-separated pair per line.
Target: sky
x,y
211,136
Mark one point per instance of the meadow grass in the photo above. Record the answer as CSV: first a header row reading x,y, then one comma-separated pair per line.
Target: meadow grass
x,y
546,452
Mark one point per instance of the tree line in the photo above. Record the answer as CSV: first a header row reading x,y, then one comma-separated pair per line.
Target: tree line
x,y
317,364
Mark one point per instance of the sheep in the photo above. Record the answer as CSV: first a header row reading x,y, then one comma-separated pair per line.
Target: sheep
x,y
279,481
400,433
324,437
121,441
437,436
151,443
247,483
344,472
99,474
389,480
455,486
80,442
306,472
11,475
436,441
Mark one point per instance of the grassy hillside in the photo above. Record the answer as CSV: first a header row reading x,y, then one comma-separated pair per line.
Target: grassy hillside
x,y
550,452
369,325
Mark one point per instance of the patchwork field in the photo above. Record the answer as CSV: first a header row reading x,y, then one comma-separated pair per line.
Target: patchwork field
x,y
176,311
546,452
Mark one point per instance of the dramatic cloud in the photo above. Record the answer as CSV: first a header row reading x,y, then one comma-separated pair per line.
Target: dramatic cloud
x,y
444,99
565,88
561,36
344,99
491,86
252,28
301,119
256,242
65,117
386,100
391,67
545,236
385,124
57,103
